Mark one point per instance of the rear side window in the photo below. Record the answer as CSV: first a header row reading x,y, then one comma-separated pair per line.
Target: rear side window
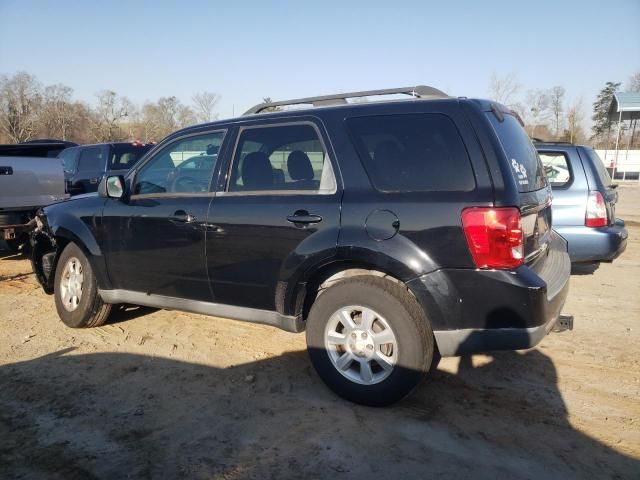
x,y
556,168
123,157
281,158
599,167
91,159
522,155
412,153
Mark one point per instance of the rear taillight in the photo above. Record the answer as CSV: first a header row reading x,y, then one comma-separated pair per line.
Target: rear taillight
x,y
494,236
596,215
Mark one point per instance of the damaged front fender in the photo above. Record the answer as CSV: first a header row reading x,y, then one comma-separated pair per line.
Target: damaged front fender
x,y
44,255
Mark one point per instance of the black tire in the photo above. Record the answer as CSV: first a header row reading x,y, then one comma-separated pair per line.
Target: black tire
x,y
406,318
91,311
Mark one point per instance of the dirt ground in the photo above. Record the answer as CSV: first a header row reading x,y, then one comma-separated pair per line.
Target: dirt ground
x,y
160,394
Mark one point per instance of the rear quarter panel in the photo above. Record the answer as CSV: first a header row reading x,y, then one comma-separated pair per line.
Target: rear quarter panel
x,y
429,234
569,202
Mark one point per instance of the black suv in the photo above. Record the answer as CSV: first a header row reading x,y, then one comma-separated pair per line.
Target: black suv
x,y
393,232
85,165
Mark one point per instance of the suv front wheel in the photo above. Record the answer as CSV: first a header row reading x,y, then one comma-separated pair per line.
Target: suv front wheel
x,y
77,300
369,340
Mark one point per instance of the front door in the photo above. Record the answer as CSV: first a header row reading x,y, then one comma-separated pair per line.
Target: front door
x,y
278,210
155,240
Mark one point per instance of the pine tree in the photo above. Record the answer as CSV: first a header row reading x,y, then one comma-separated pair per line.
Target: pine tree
x,y
601,122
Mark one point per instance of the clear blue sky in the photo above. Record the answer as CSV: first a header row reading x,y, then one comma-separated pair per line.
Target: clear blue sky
x,y
245,50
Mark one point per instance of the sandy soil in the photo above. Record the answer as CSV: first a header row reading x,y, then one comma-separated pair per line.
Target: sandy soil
x,y
160,394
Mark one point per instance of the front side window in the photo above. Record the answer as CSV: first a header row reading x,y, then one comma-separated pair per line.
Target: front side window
x,y
184,166
412,153
91,159
556,168
281,158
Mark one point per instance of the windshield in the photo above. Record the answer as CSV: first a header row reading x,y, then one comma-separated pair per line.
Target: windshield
x,y
123,157
525,163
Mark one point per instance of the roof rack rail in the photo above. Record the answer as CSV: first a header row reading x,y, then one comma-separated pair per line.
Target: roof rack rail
x,y
557,142
419,91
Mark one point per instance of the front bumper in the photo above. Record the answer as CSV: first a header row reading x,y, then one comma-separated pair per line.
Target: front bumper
x,y
603,244
475,311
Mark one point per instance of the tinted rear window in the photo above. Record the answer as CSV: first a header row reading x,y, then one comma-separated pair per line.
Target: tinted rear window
x,y
522,155
123,157
599,167
412,153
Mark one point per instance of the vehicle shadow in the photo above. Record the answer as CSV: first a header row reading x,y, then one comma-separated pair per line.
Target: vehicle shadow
x,y
584,268
111,415
125,312
7,254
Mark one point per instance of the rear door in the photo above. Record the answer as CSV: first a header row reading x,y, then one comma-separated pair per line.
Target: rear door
x,y
277,210
534,191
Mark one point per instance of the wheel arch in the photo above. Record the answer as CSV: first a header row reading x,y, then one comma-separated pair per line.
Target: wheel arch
x,y
327,274
59,232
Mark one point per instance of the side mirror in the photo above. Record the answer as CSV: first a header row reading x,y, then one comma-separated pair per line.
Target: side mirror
x,y
111,186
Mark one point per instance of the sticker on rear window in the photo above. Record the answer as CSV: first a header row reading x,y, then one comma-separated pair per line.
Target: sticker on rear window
x,y
521,172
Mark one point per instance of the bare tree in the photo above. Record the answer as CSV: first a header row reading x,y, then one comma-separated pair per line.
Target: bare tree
x,y
575,115
634,83
163,117
556,104
20,100
537,110
504,89
57,115
205,103
185,116
108,114
149,123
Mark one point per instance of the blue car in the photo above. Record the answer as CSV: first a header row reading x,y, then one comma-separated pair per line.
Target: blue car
x,y
584,202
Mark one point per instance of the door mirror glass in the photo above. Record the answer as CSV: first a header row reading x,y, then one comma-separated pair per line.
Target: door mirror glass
x,y
115,186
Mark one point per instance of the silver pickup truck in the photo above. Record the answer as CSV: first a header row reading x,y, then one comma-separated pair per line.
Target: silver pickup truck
x,y
30,177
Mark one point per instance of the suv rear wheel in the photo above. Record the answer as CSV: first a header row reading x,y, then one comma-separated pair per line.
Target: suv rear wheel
x,y
369,340
76,291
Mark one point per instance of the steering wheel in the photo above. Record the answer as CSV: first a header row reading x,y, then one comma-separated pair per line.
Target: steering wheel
x,y
186,184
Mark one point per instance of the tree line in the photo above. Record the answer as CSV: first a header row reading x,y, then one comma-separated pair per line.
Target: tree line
x,y
549,116
30,110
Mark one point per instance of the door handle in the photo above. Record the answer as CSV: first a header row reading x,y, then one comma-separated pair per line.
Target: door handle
x,y
6,171
180,216
93,180
302,216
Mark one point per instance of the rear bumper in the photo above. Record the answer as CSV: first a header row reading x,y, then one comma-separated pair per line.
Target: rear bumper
x,y
603,244
482,310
